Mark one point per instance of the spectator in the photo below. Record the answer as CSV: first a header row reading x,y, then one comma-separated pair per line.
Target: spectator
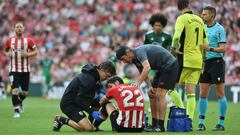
x,y
101,24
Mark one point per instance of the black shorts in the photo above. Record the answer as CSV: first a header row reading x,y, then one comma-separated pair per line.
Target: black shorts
x,y
214,71
72,111
20,79
116,127
166,79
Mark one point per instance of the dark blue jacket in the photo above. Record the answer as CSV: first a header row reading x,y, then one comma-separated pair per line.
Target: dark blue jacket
x,y
81,90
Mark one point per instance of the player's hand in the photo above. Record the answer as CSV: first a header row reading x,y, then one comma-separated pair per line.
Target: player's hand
x,y
9,53
205,47
135,85
176,50
99,96
96,115
151,92
24,54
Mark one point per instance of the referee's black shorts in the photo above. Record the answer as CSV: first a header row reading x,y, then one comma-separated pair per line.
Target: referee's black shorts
x,y
116,127
214,71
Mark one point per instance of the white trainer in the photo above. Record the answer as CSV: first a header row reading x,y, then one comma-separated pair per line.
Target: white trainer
x,y
16,115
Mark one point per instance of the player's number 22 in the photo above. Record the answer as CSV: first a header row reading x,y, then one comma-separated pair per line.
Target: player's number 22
x,y
130,94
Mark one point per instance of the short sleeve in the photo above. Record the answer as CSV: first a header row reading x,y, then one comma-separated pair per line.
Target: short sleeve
x,y
146,39
7,44
31,44
221,35
205,39
110,93
168,43
141,56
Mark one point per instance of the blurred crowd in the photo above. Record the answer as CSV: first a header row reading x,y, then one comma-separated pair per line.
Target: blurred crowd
x,y
76,32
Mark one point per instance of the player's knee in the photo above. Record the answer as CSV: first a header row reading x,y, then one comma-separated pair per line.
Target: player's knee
x,y
203,94
190,88
161,92
15,91
87,127
25,93
220,95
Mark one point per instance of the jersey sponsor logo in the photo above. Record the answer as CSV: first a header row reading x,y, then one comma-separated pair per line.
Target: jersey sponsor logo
x,y
179,113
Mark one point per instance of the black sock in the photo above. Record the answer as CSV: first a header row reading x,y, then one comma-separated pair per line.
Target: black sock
x,y
16,110
154,122
21,98
90,118
97,123
161,124
201,117
15,103
64,120
104,111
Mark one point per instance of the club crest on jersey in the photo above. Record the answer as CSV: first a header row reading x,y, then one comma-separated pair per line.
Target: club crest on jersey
x,y
163,38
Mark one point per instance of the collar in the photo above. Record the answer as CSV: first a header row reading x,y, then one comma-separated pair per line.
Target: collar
x,y
188,12
20,37
211,25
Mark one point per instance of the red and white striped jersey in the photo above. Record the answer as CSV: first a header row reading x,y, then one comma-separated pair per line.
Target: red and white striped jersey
x,y
15,45
131,105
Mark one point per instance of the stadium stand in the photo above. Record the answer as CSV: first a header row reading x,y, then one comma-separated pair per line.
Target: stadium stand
x,y
76,32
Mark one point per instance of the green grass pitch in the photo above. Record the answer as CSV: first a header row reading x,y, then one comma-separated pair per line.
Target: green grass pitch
x,y
38,120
